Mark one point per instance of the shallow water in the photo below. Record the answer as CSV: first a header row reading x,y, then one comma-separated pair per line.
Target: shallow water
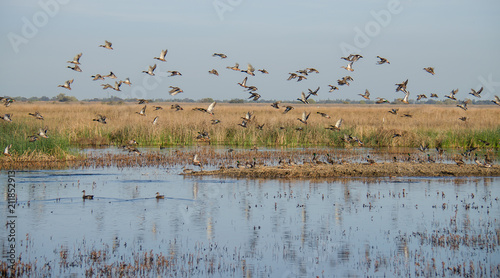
x,y
257,228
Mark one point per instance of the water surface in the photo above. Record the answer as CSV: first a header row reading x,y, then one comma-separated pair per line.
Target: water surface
x,y
261,228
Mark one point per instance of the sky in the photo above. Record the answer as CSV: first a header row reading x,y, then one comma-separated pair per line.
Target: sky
x,y
460,39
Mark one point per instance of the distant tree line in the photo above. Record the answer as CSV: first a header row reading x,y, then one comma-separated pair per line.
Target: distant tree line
x,y
116,100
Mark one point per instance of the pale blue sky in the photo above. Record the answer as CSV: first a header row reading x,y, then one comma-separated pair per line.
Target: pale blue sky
x,y
460,39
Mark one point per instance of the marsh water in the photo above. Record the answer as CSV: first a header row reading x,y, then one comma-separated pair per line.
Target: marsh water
x,y
207,226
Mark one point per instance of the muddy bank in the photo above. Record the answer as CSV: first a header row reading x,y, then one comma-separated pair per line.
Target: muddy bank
x,y
356,170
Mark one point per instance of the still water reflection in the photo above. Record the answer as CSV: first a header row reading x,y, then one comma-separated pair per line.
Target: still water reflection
x,y
256,228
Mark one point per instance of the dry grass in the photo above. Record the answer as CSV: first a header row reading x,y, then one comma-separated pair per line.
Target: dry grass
x,y
434,125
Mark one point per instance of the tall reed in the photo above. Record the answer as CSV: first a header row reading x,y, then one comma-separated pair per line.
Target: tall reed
x,y
72,125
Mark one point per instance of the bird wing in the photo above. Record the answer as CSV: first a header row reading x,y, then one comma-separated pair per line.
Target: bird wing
x,y
211,107
77,57
407,94
338,123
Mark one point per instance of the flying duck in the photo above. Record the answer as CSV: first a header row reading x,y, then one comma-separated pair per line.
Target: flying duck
x,y
107,45
162,55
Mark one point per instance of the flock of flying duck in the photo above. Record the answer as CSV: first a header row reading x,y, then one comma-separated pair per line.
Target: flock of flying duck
x,y
298,75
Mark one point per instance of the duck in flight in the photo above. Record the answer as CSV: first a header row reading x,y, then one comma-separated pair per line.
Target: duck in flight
x,y
304,118
349,67
67,84
76,59
107,45
150,70
476,93
221,55
209,110
162,55
366,95
429,70
382,61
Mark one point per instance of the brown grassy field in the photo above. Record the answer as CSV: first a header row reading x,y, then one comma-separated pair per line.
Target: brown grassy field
x,y
71,124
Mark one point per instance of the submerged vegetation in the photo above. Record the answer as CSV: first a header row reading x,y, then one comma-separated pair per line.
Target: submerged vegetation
x,y
71,125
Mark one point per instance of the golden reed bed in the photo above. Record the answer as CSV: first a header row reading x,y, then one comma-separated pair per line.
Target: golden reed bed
x,y
74,120
71,124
